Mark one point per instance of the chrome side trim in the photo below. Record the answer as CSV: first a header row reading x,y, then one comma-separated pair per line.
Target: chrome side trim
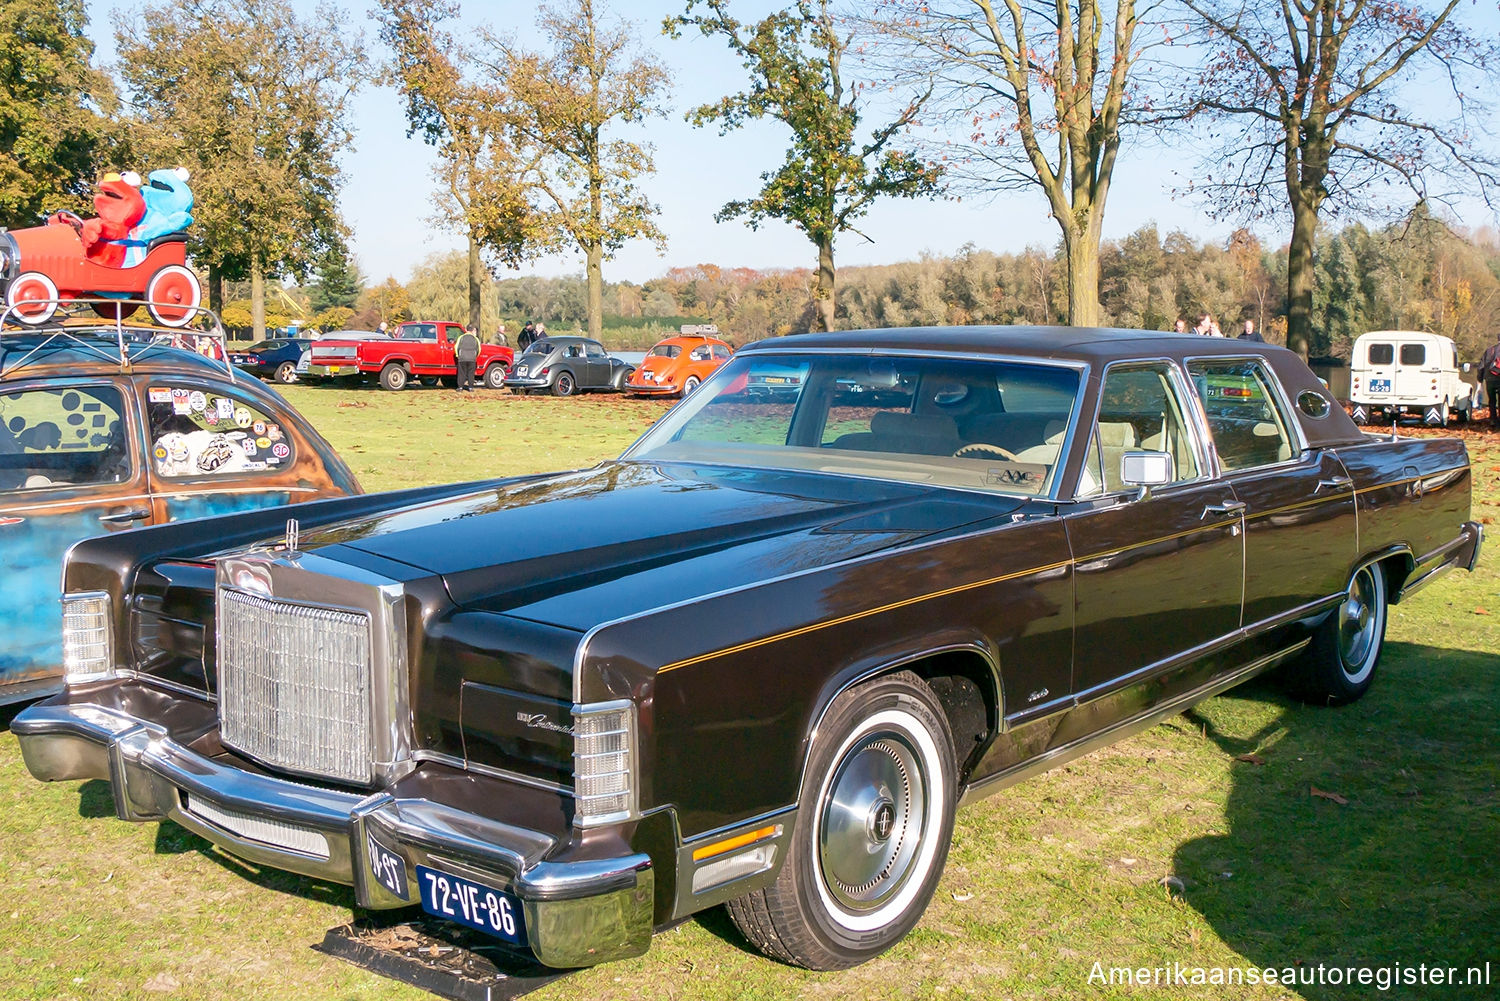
x,y
1125,728
479,768
1472,535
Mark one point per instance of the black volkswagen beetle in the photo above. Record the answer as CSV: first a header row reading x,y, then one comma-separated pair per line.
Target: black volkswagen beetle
x,y
567,365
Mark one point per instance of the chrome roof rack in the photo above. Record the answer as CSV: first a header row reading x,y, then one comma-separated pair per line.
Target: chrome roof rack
x,y
65,322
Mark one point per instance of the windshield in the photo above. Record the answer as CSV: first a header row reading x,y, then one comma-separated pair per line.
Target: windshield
x,y
996,426
665,351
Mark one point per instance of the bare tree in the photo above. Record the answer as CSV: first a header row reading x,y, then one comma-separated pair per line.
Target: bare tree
x,y
1038,93
1331,103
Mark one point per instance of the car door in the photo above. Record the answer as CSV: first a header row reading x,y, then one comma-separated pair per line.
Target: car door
x,y
1416,371
1157,575
599,370
215,449
1299,501
70,469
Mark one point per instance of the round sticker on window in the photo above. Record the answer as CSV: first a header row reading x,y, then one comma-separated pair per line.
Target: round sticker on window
x,y
197,401
259,428
263,441
242,417
280,450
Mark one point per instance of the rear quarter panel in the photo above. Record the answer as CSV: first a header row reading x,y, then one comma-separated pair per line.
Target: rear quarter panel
x,y
1413,493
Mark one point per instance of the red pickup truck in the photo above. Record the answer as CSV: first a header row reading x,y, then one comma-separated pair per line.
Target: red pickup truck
x,y
415,349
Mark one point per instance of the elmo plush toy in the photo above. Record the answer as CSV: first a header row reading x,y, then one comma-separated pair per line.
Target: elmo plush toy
x,y
120,207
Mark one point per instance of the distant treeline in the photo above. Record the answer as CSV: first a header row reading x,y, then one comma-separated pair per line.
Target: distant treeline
x,y
1418,274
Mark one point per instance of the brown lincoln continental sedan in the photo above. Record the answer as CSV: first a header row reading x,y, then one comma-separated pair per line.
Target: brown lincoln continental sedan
x,y
800,628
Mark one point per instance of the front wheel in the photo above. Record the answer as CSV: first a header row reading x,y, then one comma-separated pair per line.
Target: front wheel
x,y
873,825
494,376
32,297
1338,666
172,296
564,385
393,377
286,373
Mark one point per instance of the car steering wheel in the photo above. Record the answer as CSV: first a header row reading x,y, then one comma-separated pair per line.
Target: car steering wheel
x,y
71,218
984,450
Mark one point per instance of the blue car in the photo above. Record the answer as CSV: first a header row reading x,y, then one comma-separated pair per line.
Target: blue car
x,y
93,442
274,359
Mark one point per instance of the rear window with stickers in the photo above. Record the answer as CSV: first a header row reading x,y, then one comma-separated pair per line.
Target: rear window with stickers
x,y
199,432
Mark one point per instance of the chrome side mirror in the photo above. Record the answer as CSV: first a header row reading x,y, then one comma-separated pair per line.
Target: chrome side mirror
x,y
1146,470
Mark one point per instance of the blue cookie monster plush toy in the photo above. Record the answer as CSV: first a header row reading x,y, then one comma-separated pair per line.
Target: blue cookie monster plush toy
x,y
168,210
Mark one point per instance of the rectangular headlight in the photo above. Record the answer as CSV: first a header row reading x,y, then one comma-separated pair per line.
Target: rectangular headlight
x,y
88,644
604,762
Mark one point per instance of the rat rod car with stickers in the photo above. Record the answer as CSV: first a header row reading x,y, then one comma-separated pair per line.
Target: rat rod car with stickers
x,y
102,430
801,629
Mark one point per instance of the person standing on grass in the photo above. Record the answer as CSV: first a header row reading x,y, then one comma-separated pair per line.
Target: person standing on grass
x,y
1250,333
465,354
1489,373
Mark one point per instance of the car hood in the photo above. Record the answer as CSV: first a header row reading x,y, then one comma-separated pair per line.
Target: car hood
x,y
578,549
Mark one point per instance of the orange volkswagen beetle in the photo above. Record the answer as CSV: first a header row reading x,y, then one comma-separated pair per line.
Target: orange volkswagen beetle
x,y
676,365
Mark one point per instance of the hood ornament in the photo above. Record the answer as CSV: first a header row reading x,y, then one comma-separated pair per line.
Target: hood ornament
x,y
292,532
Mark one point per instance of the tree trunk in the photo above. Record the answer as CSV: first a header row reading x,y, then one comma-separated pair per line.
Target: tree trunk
x,y
1083,278
1300,277
215,289
595,247
257,298
823,284
595,270
476,283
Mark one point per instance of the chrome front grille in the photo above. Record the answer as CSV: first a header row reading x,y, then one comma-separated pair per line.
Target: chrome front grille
x,y
294,686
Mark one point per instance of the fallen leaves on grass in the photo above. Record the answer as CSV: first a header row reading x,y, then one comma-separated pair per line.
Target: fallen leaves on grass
x,y
1251,757
352,403
1481,611
963,897
1332,797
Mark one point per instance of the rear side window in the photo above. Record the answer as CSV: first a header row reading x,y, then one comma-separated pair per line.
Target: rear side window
x,y
197,431
62,437
1382,354
1413,354
1247,425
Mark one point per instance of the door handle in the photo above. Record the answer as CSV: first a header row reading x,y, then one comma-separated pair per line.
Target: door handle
x,y
1224,507
125,517
1334,483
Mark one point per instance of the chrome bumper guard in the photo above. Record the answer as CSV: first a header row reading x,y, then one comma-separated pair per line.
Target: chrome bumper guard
x,y
575,913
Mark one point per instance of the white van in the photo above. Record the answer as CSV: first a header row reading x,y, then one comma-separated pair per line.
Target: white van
x,y
1396,372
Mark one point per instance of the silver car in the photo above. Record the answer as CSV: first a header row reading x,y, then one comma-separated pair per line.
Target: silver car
x,y
567,365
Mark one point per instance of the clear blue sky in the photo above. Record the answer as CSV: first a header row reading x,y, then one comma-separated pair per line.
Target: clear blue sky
x,y
387,197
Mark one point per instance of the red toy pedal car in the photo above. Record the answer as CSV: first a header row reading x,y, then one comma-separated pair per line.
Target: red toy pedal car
x,y
43,264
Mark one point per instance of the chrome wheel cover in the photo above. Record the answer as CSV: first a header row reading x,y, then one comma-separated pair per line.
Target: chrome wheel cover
x,y
872,818
1360,619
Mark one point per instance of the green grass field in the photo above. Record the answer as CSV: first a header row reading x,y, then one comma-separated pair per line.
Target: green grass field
x,y
1045,879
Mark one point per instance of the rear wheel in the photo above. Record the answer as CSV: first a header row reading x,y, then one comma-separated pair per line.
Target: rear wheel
x,y
28,297
690,384
1339,664
393,377
286,373
873,825
172,296
494,376
564,385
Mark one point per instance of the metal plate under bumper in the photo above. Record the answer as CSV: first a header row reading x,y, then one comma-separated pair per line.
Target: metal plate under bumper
x,y
576,913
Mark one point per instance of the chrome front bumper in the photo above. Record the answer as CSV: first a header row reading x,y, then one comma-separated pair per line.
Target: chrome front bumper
x,y
575,913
